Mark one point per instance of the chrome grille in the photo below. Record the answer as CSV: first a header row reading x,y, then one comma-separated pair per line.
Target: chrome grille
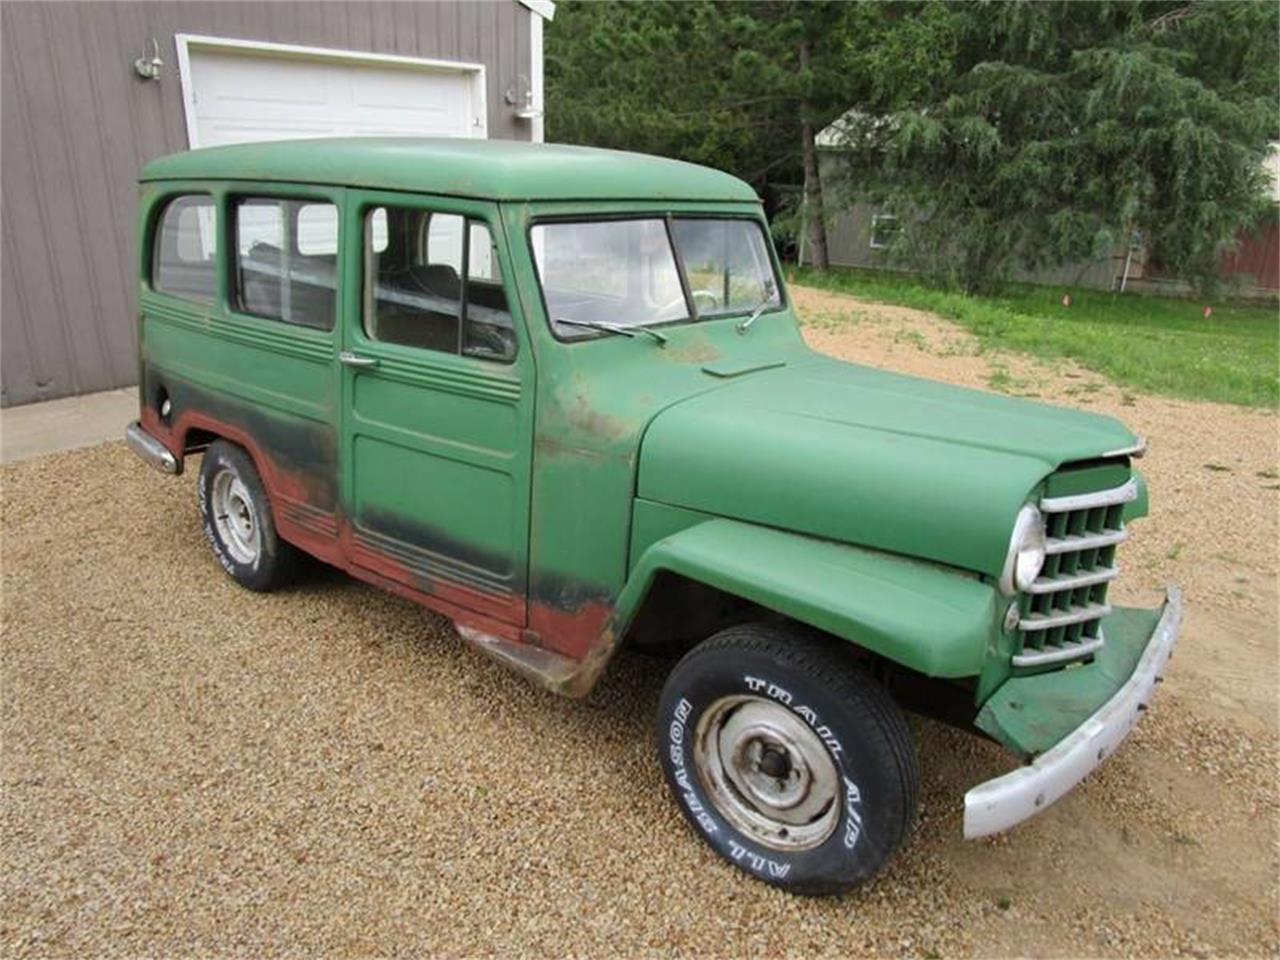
x,y
1062,611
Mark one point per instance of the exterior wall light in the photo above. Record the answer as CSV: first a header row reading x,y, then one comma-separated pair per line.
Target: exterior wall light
x,y
520,95
148,68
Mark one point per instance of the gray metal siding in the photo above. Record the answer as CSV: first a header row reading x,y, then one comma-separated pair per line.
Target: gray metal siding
x,y
76,126
849,245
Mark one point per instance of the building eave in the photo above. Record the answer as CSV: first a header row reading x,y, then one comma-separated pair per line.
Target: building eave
x,y
546,9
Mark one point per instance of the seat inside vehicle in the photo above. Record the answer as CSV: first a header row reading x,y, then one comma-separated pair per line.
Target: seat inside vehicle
x,y
301,291
418,306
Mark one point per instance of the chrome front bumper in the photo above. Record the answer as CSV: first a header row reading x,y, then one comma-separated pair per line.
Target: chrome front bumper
x,y
1008,800
150,450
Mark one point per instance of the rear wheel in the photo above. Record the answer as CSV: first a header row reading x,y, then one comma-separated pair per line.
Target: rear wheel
x,y
238,522
787,758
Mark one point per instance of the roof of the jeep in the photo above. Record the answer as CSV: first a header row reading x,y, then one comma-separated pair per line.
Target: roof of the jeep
x,y
488,169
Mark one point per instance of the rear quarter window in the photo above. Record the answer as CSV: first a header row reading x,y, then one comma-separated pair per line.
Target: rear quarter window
x,y
184,257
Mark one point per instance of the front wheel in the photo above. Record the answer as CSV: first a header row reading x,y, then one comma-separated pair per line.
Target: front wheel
x,y
788,759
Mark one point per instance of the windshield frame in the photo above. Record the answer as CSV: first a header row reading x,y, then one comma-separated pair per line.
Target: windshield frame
x,y
668,217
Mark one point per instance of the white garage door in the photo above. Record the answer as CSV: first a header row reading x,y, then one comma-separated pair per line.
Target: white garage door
x,y
238,91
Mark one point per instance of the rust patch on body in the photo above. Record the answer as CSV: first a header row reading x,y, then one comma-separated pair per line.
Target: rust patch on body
x,y
552,671
570,648
699,350
584,417
573,633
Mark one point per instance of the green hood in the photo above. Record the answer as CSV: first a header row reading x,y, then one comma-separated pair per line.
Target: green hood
x,y
862,456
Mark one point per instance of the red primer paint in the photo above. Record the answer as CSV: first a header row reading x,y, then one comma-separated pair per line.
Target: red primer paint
x,y
571,633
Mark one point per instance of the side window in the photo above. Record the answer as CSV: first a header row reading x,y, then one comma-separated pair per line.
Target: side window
x,y
376,231
482,261
318,230
286,260
184,258
432,282
444,240
488,331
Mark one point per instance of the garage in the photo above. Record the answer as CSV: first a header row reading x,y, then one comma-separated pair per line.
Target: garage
x,y
239,91
93,91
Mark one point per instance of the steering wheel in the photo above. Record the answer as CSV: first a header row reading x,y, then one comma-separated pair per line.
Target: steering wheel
x,y
694,294
491,341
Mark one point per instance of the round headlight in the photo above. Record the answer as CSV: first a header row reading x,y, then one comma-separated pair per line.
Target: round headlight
x,y
1026,551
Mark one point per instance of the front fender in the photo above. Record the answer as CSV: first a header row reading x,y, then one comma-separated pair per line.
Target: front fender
x,y
937,622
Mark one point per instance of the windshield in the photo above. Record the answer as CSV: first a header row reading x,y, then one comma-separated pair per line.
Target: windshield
x,y
626,273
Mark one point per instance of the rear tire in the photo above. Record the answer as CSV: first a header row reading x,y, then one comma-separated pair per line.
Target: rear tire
x,y
238,522
787,758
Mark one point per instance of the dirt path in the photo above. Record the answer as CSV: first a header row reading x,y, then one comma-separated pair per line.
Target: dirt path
x,y
189,769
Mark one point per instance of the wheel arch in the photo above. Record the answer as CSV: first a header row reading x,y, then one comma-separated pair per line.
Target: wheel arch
x,y
927,619
194,432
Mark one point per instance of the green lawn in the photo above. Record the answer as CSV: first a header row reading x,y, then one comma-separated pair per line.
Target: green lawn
x,y
1157,344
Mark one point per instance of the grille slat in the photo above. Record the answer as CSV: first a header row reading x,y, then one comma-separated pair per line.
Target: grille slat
x,y
1064,616
1085,578
1085,541
1062,613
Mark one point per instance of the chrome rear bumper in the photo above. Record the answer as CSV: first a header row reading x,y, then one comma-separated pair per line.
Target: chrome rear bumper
x,y
1008,800
150,450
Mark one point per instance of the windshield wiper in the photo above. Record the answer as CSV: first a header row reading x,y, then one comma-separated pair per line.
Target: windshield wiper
x,y
761,307
614,328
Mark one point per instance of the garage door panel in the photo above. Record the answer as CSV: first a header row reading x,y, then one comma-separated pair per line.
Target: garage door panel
x,y
384,89
223,80
239,97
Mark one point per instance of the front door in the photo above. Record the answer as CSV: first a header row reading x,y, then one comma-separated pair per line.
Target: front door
x,y
437,404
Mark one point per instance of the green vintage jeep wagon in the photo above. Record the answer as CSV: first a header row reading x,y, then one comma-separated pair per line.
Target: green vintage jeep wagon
x,y
559,395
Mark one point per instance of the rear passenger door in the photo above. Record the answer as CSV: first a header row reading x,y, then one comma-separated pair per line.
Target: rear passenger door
x,y
282,304
437,403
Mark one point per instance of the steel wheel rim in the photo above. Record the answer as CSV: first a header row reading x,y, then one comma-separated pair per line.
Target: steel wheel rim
x,y
235,518
767,773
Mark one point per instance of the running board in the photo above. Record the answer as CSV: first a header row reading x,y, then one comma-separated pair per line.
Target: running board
x,y
548,669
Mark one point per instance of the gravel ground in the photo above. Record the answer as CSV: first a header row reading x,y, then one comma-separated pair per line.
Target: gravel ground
x,y
190,769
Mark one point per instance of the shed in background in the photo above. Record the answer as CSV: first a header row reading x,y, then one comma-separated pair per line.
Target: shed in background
x,y
858,235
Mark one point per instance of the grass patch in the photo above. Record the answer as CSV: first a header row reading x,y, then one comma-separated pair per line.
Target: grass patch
x,y
1156,344
913,337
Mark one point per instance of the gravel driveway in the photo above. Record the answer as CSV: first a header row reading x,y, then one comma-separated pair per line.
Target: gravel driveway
x,y
190,769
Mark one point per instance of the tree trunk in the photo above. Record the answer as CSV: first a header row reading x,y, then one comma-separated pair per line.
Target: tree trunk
x,y
815,221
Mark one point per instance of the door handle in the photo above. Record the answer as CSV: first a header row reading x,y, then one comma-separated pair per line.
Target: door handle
x,y
347,358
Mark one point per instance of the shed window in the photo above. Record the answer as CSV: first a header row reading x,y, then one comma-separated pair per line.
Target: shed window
x,y
884,227
432,281
286,260
185,253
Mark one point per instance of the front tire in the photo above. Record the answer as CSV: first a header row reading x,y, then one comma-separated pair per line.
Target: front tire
x,y
787,758
238,522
